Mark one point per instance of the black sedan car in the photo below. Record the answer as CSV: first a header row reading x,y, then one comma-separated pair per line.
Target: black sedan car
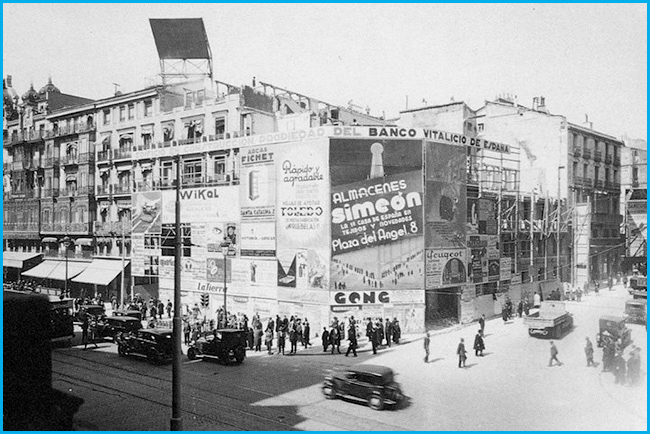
x,y
225,345
372,384
154,344
111,326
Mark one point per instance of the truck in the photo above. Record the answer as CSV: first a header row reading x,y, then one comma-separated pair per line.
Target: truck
x,y
552,320
639,287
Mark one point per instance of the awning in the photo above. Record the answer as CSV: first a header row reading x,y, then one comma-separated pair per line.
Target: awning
x,y
146,130
146,166
56,270
49,240
88,242
104,171
121,169
17,259
101,272
71,178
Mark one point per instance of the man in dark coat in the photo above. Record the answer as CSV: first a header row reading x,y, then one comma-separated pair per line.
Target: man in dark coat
x,y
389,331
481,322
462,354
352,338
397,331
325,338
427,343
479,346
375,338
554,353
306,330
335,338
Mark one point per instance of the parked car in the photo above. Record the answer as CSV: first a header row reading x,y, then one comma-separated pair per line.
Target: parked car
x,y
154,344
372,384
613,327
111,326
128,312
226,345
95,310
636,310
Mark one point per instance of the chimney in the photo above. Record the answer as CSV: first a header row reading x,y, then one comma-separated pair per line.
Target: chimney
x,y
535,103
9,81
542,105
588,124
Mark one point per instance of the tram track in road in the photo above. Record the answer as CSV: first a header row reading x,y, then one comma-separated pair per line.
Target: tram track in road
x,y
203,400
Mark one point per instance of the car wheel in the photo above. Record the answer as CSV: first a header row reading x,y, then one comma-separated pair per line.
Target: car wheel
x,y
152,355
121,351
376,402
329,391
191,353
240,355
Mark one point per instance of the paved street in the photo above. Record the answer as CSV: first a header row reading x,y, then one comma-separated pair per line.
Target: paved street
x,y
510,388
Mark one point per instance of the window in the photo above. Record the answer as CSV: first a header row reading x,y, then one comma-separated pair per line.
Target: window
x,y
192,171
131,111
200,96
481,127
122,113
148,108
635,175
220,127
596,173
189,98
46,216
146,140
167,172
219,165
168,132
585,172
107,116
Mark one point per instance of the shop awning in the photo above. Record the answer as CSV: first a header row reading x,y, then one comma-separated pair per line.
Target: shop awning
x,y
100,272
88,242
49,240
17,259
56,270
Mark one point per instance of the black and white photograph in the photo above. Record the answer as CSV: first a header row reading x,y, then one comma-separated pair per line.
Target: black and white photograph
x,y
324,217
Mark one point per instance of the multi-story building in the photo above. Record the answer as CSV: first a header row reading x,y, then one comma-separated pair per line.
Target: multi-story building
x,y
634,197
578,165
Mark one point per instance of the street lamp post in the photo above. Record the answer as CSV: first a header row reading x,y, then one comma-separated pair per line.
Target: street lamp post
x,y
66,241
225,246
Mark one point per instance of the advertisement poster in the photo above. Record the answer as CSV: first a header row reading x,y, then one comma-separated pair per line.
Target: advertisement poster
x,y
253,272
445,267
302,214
376,218
215,269
200,205
472,215
137,254
446,196
146,212
494,270
257,183
505,267
487,216
257,239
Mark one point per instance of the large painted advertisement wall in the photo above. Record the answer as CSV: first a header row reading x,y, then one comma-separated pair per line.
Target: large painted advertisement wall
x,y
377,229
445,215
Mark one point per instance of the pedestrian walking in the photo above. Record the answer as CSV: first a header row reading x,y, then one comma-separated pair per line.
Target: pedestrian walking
x,y
597,287
352,338
554,353
427,342
619,368
388,331
397,331
281,341
479,345
258,337
335,338
610,283
306,330
526,307
375,339
88,331
589,352
169,309
462,354
186,332
269,340
293,337
325,339
481,322
520,308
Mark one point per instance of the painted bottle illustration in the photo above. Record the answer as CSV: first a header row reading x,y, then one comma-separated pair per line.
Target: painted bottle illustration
x,y
377,164
253,184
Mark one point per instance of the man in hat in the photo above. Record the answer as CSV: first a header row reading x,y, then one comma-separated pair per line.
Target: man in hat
x,y
554,353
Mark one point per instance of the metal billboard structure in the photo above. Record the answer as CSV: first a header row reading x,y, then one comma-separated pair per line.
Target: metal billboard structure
x,y
183,49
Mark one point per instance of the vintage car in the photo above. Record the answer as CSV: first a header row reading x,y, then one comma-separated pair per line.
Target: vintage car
x,y
372,384
94,310
111,326
613,328
636,310
128,312
226,345
154,344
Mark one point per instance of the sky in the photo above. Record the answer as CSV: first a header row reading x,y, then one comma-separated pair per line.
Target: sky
x,y
585,59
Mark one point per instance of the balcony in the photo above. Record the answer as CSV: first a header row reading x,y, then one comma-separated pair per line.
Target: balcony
x,y
103,190
103,156
20,227
599,183
608,159
598,156
52,161
586,153
583,182
184,142
17,165
144,186
107,229
50,192
70,160
612,185
66,228
68,192
617,161
77,128
121,189
86,157
122,154
6,167
577,151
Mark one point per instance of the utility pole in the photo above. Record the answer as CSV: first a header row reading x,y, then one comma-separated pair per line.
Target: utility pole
x,y
559,221
176,422
122,289
532,236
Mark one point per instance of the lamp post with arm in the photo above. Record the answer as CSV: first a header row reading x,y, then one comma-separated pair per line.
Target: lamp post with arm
x,y
66,242
225,247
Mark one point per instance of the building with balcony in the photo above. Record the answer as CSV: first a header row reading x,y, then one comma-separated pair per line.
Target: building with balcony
x,y
43,153
575,164
634,198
